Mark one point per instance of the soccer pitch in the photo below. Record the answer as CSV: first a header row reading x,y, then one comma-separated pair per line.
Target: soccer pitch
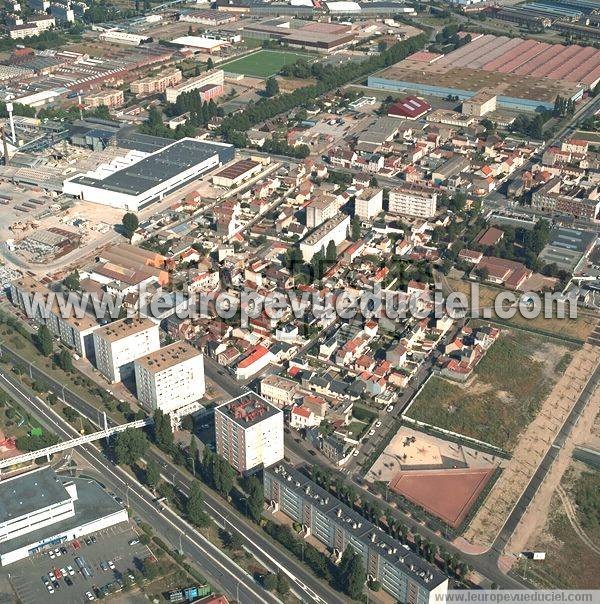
x,y
264,63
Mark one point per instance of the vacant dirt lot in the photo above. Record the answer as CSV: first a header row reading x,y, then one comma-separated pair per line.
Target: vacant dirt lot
x,y
530,450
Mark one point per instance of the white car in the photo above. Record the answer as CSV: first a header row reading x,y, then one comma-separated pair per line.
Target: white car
x,y
111,564
70,570
371,432
355,452
57,552
378,424
52,555
89,595
50,588
51,576
390,408
63,572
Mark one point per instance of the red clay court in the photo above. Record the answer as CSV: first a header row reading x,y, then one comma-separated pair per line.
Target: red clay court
x,y
447,494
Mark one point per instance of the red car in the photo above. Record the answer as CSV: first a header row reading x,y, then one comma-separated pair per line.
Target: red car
x,y
57,574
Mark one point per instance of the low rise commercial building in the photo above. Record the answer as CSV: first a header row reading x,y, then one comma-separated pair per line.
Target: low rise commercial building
x,y
278,390
119,343
42,509
249,433
233,175
413,200
401,573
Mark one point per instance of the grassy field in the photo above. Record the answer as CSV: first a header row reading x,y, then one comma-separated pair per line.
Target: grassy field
x,y
264,63
508,388
579,328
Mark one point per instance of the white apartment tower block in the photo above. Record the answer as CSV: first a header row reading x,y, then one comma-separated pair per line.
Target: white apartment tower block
x,y
249,432
118,344
170,378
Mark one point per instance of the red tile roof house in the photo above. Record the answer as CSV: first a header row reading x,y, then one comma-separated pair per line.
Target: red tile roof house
x,y
258,358
470,256
410,108
509,273
491,237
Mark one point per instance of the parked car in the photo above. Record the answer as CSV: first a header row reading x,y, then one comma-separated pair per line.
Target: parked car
x,y
111,565
134,542
70,570
378,424
68,581
89,595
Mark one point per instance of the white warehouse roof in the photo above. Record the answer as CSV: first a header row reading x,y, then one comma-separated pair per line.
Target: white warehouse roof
x,y
199,42
343,7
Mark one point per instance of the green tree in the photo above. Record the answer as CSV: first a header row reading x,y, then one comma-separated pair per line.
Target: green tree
x,y
331,254
283,586
195,506
269,581
152,474
256,497
71,281
209,64
65,360
129,446
130,223
355,577
355,228
163,434
44,341
271,87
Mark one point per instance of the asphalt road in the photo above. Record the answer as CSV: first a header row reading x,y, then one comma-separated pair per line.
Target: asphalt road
x,y
218,568
262,548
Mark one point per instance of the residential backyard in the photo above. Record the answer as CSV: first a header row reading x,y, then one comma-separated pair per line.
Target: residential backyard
x,y
504,395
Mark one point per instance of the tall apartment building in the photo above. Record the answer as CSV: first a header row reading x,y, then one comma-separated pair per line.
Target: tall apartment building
x,y
249,432
205,82
335,229
321,209
119,343
75,330
170,379
368,203
157,83
403,574
413,200
108,97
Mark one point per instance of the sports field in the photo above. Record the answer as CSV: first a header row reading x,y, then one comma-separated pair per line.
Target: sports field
x,y
264,63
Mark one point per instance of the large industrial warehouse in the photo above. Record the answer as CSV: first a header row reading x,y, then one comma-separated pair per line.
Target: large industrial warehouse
x,y
136,180
525,74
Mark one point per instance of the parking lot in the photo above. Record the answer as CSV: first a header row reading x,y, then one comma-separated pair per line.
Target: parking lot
x,y
110,549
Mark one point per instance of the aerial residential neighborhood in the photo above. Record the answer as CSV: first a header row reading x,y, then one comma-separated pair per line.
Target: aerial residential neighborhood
x,y
300,301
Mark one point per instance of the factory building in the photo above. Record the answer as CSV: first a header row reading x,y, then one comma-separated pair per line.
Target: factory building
x,y
401,573
119,343
249,433
42,509
122,37
235,174
138,179
170,379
